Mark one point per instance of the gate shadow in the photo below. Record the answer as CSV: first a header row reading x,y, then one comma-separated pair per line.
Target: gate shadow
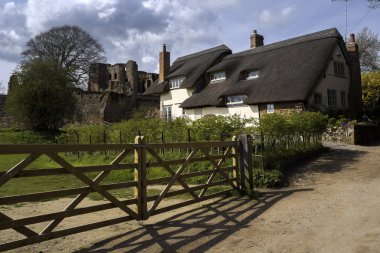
x,y
195,230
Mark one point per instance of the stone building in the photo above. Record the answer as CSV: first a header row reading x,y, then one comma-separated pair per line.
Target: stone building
x,y
119,78
114,91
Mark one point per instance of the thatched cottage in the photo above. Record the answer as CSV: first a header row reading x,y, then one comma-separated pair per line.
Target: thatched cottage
x,y
316,71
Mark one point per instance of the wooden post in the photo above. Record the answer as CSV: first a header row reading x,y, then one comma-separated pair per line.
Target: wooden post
x,y
246,169
140,176
78,142
235,162
162,141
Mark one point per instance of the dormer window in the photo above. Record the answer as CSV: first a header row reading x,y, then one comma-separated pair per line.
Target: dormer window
x,y
217,76
237,99
174,83
252,74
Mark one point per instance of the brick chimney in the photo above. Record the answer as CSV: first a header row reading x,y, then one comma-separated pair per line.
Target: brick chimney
x,y
355,92
164,64
257,40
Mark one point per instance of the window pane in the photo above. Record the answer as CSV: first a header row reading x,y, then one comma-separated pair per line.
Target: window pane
x,y
238,99
270,108
217,76
176,82
252,74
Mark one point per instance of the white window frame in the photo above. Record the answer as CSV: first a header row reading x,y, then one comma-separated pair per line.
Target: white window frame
x,y
235,100
176,82
217,76
168,112
252,74
270,108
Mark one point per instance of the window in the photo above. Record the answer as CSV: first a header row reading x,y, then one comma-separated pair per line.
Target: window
x,y
238,99
339,69
252,74
115,76
176,82
317,98
331,98
343,98
218,76
270,108
168,112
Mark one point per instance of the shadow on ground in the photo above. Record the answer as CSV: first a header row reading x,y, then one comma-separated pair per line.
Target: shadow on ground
x,y
335,159
196,230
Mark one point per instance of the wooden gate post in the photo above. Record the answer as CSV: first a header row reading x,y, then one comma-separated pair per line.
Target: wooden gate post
x,y
246,169
140,175
235,161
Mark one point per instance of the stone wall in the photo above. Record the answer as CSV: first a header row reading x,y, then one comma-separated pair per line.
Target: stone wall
x,y
114,91
100,107
120,78
5,120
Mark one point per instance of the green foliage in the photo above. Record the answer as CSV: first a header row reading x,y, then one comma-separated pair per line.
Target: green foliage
x,y
43,97
296,130
371,92
268,178
212,127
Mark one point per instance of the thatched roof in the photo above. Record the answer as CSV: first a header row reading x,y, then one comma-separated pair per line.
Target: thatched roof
x,y
192,67
289,71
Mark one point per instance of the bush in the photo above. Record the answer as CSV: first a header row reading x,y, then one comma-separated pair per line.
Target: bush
x,y
43,96
268,178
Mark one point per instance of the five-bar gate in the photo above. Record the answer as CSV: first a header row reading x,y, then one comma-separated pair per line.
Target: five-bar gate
x,y
201,170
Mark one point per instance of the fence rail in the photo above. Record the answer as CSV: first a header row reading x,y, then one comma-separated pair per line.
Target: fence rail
x,y
138,159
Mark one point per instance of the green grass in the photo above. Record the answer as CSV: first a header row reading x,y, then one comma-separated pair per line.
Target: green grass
x,y
15,136
20,186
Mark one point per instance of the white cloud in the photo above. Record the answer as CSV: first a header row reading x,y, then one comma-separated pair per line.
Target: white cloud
x,y
105,14
9,7
273,17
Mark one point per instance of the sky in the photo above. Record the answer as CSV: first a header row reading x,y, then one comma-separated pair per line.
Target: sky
x,y
136,29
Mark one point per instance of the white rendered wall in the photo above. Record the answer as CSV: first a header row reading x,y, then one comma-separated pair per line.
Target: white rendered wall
x,y
244,111
174,98
330,81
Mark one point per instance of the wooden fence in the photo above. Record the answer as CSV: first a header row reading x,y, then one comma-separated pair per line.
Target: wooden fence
x,y
221,175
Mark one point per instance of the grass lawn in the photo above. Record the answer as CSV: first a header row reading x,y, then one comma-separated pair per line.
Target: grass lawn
x,y
27,185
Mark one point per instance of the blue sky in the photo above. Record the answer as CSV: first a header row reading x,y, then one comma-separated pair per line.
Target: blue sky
x,y
136,29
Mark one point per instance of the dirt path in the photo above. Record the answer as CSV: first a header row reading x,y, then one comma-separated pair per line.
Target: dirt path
x,y
332,205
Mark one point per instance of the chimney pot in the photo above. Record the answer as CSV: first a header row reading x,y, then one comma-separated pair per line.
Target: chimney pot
x,y
164,64
257,40
352,37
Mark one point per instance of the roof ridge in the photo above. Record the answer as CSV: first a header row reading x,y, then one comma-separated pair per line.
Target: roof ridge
x,y
189,56
328,33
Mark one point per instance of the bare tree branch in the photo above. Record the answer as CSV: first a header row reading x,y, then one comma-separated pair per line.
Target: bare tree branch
x,y
369,48
70,47
373,4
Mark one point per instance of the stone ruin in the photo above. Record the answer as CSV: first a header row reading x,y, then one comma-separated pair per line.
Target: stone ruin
x,y
114,91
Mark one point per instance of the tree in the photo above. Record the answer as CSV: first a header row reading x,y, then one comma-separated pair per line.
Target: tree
x,y
373,4
2,89
369,47
69,47
371,92
43,97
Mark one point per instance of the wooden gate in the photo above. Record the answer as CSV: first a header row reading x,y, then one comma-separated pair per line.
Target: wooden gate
x,y
214,165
